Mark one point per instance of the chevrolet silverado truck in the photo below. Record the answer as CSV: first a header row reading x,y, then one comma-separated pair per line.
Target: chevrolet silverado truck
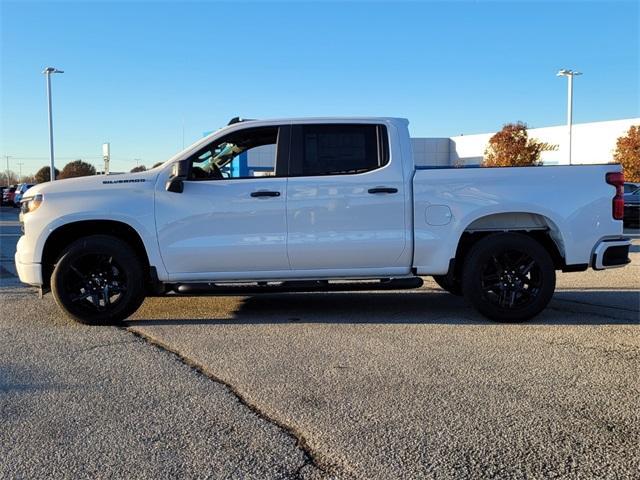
x,y
320,204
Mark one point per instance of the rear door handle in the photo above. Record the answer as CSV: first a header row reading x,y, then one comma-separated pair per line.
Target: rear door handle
x,y
265,193
383,190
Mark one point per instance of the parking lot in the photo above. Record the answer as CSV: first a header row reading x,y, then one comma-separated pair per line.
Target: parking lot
x,y
411,384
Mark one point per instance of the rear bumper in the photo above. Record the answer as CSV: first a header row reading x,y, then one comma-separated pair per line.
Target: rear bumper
x,y
30,273
611,253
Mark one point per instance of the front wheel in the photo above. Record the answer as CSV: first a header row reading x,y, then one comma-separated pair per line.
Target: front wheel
x,y
508,277
98,280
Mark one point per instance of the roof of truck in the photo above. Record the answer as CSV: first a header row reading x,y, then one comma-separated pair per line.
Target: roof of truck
x,y
236,120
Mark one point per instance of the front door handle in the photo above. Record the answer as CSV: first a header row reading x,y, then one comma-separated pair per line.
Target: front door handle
x,y
383,190
265,193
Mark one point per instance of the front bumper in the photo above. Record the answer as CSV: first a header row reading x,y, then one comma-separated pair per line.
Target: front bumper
x,y
30,273
611,253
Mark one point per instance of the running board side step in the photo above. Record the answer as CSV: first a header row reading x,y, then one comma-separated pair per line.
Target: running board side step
x,y
193,289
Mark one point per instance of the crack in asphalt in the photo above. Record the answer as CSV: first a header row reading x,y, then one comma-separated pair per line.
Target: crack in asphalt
x,y
633,310
619,320
309,458
104,345
560,308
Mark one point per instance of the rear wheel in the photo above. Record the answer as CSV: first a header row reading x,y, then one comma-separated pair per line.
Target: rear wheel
x,y
453,286
98,280
508,277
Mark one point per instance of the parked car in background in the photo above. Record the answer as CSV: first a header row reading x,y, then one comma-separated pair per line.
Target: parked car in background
x,y
2,189
8,194
630,187
632,209
17,198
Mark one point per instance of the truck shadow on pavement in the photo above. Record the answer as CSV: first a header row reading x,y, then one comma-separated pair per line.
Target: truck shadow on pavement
x,y
591,307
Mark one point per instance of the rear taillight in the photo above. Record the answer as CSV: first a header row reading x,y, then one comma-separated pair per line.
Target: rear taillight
x,y
617,180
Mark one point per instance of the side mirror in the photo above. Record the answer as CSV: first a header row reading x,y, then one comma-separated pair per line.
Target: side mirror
x,y
181,169
179,173
175,185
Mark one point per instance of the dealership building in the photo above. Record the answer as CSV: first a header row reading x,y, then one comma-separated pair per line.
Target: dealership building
x,y
591,143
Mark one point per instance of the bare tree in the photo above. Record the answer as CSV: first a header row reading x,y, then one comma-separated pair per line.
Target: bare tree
x,y
8,177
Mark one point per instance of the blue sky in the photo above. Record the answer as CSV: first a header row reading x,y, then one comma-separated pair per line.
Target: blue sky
x,y
136,72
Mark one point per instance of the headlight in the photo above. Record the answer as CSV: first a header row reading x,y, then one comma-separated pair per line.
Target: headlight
x,y
31,204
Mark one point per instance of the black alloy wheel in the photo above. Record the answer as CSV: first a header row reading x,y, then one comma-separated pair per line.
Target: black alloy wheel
x,y
98,280
95,282
509,277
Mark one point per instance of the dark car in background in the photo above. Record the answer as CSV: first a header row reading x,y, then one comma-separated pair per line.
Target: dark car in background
x,y
8,194
630,187
632,209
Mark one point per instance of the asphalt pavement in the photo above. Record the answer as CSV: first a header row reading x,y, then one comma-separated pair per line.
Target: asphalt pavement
x,y
408,384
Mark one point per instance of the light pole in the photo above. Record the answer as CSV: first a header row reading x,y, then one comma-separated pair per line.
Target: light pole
x,y
569,74
48,71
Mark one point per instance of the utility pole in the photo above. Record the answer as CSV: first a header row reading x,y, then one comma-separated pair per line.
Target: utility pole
x,y
20,167
7,157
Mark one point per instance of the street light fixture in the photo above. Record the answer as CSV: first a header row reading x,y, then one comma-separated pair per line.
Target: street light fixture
x,y
569,74
48,71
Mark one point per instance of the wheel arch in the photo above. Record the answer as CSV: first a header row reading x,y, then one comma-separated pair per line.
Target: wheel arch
x,y
63,235
535,225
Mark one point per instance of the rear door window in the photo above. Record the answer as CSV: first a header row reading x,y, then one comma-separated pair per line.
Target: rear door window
x,y
338,149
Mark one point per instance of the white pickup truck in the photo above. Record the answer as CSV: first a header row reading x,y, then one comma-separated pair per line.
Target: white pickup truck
x,y
328,204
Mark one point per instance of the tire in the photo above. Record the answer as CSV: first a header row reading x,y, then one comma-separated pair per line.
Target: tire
x,y
98,280
454,287
508,277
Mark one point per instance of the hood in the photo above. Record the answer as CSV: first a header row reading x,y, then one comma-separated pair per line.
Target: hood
x,y
94,182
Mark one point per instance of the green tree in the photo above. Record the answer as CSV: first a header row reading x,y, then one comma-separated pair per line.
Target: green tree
x,y
627,154
512,147
157,164
43,175
77,168
139,168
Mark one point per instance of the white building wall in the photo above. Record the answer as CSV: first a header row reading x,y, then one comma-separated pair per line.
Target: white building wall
x,y
592,143
431,151
263,156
